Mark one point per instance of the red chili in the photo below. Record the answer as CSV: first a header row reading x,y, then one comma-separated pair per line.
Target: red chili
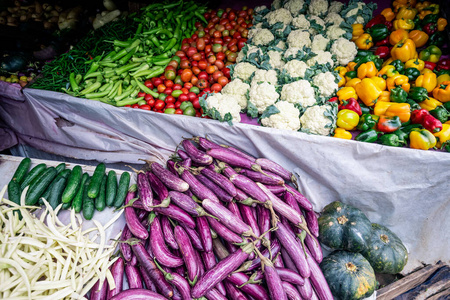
x,y
334,100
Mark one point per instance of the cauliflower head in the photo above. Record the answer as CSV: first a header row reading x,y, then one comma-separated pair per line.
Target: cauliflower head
x,y
269,76
315,120
344,50
287,118
280,15
225,104
335,7
276,59
300,22
334,18
300,92
296,68
334,32
244,70
263,37
322,57
294,6
276,4
319,23
239,90
263,95
299,38
319,43
250,50
291,52
326,84
281,45
318,7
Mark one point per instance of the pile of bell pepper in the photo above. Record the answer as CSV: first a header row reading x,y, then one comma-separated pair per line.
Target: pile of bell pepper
x,y
393,94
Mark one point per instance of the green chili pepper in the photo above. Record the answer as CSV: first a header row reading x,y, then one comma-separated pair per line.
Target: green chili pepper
x,y
368,136
91,88
146,89
73,82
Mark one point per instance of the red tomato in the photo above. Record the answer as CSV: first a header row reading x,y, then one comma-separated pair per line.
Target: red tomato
x,y
219,64
179,74
196,70
156,81
233,48
168,83
217,34
194,63
211,58
217,74
222,81
174,64
215,19
202,75
151,102
191,51
210,69
170,99
170,74
170,105
207,90
161,88
186,75
192,96
128,105
159,104
197,56
223,22
202,83
135,106
217,41
231,16
228,26
180,54
178,86
196,104
178,111
202,64
194,37
226,72
148,83
183,97
220,55
170,67
141,94
185,64
145,106
208,49
201,44
194,80
198,114
186,88
148,97
185,47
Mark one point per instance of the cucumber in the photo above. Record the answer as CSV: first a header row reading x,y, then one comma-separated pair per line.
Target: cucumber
x,y
88,206
73,184
46,194
111,188
34,173
77,202
22,170
60,167
39,186
56,192
14,191
100,201
96,180
122,189
66,205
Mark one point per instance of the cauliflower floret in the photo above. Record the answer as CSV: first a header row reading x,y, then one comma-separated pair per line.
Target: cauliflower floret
x,y
315,121
334,18
294,6
322,57
238,89
287,118
296,68
276,4
254,30
300,22
269,76
291,52
259,8
326,83
356,12
280,15
335,7
319,43
344,50
359,20
281,45
250,50
298,39
299,91
225,104
334,32
244,70
318,7
276,59
263,37
318,21
263,95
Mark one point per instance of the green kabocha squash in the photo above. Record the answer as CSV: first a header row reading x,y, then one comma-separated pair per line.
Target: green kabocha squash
x,y
342,226
385,252
349,275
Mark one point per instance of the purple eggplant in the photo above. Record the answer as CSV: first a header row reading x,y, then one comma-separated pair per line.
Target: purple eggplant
x,y
188,253
181,270
276,189
227,170
138,294
97,292
263,220
233,159
205,233
125,248
302,201
239,152
182,154
234,208
232,248
159,248
275,248
318,280
134,277
233,292
306,290
221,194
290,276
149,285
145,191
248,217
214,294
170,180
174,212
196,187
249,187
243,198
180,283
291,291
313,224
117,271
219,249
224,232
171,168
133,261
209,259
187,203
168,233
220,180
195,154
204,143
201,266
287,260
159,188
313,245
278,262
266,178
271,166
248,286
272,279
220,271
194,237
132,220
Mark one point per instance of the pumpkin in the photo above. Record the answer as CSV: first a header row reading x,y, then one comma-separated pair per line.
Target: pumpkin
x,y
385,252
349,275
342,226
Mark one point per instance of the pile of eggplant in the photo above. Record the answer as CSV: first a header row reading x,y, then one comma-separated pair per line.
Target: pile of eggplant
x,y
217,223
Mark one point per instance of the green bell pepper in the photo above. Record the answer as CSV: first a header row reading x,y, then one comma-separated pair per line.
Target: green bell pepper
x,y
368,136
417,22
398,95
366,122
413,104
391,139
442,72
363,53
437,39
431,53
370,57
411,73
430,18
446,105
351,74
364,108
440,113
418,93
399,66
378,32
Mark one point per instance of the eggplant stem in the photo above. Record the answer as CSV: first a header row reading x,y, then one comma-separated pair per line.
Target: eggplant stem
x,y
274,217
134,170
164,203
192,283
244,267
250,281
130,204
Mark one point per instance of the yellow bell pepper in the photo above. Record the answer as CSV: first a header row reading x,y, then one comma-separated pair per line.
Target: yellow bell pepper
x,y
430,104
397,4
443,135
358,30
406,24
364,42
368,91
387,62
367,69
398,35
423,13
441,24
351,66
421,5
442,78
426,70
380,82
352,82
404,50
441,92
392,109
342,134
427,80
419,37
346,93
385,96
388,14
387,71
347,119
421,139
406,12
398,80
415,63
341,71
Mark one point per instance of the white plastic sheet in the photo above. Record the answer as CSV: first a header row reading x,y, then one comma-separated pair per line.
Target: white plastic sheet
x,y
403,189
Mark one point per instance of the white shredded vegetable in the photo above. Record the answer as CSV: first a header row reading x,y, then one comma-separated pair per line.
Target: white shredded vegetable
x,y
42,258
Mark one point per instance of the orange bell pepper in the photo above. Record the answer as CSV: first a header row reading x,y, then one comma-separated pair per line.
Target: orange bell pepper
x,y
442,78
404,50
421,5
388,14
367,69
397,4
346,93
427,81
358,30
419,37
398,80
441,24
384,96
398,35
364,42
406,12
351,66
368,91
441,92
392,109
341,71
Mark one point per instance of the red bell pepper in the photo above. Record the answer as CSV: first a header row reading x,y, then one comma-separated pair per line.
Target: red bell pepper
x,y
383,52
388,124
389,25
424,118
351,104
430,28
334,100
383,42
443,64
378,19
430,65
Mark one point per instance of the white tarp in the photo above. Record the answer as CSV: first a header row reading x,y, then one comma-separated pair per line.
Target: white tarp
x,y
404,189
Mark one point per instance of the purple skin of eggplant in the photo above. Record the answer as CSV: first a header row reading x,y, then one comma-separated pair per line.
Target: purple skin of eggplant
x,y
209,259
98,293
171,167
249,187
159,188
220,271
288,241
205,233
275,247
194,237
125,248
182,154
227,218
290,200
133,261
132,220
134,277
318,280
273,281
228,171
149,267
242,197
182,286
117,271
174,212
233,292
240,153
188,253
232,248
276,189
263,220
313,224
278,262
267,178
221,194
224,232
249,218
234,208
159,248
232,158
268,165
220,180
302,201
219,249
195,154
290,276
306,290
170,180
291,291
149,285
138,294
168,233
313,245
256,291
145,191
180,270
201,267
198,188
187,203
214,294
204,143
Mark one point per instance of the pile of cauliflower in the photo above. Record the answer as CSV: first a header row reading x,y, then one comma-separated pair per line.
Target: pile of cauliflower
x,y
285,74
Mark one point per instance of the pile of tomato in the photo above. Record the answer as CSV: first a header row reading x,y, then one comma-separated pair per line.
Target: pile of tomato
x,y
200,66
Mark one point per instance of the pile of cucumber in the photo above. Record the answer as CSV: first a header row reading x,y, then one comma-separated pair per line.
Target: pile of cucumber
x,y
73,188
